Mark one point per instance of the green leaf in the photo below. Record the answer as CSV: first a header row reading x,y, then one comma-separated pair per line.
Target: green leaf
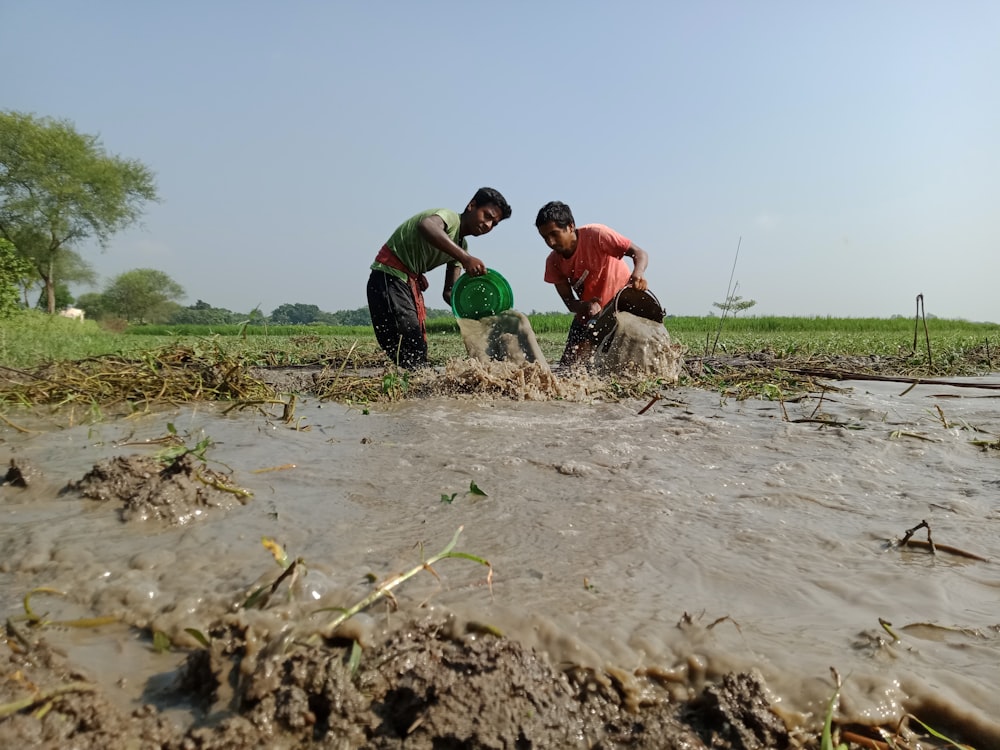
x,y
198,636
474,490
257,598
448,498
939,735
355,659
161,641
826,740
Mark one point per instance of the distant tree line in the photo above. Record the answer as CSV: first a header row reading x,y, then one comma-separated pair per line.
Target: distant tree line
x,y
145,295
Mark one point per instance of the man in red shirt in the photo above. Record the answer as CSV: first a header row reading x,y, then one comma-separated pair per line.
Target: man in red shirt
x,y
587,269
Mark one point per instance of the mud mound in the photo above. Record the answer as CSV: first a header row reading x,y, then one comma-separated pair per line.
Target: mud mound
x,y
177,492
439,683
21,473
433,683
59,708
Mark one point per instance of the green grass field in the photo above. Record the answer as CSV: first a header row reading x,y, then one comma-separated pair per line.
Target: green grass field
x,y
30,339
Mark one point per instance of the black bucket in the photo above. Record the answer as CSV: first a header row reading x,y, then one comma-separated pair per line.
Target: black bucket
x,y
630,300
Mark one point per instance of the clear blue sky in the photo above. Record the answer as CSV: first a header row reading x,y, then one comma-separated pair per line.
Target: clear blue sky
x,y
853,146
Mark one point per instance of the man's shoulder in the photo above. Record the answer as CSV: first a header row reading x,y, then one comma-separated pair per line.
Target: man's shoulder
x,y
596,229
603,236
445,213
410,227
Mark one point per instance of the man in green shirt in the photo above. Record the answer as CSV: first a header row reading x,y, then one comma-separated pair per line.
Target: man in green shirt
x,y
432,238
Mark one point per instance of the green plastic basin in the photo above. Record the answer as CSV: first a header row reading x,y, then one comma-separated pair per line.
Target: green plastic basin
x,y
481,296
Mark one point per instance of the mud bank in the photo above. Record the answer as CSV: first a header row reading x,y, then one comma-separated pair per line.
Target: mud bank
x,y
433,683
264,676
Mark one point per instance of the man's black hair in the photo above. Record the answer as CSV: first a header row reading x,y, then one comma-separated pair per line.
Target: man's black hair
x,y
556,211
485,196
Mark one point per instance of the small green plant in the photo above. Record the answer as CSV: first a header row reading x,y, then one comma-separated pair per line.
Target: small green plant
x,y
474,489
935,733
161,642
395,384
174,452
826,742
384,590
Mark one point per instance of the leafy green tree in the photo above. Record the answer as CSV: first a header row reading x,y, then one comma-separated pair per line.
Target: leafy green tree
x,y
64,297
735,304
359,317
94,304
297,314
14,274
143,295
202,313
59,187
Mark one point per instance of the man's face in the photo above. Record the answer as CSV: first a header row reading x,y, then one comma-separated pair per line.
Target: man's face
x,y
560,239
481,219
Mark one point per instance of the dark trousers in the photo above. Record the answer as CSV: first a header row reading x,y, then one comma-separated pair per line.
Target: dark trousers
x,y
394,318
579,344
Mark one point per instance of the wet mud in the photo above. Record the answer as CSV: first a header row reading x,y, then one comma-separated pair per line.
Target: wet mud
x,y
432,683
267,679
144,487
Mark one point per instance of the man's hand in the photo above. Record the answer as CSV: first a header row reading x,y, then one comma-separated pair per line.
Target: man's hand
x,y
639,282
587,309
474,267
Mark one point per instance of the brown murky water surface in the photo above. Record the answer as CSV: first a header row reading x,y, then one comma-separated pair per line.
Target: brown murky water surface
x,y
636,558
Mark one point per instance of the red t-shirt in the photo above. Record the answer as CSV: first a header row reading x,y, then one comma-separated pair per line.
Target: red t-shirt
x,y
599,252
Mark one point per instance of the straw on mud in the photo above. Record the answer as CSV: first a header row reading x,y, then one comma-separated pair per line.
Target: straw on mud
x,y
385,589
171,374
9,709
887,627
15,426
867,742
906,541
283,467
36,620
647,407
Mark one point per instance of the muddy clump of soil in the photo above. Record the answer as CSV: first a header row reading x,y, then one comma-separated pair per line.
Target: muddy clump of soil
x,y
45,702
21,473
178,491
431,683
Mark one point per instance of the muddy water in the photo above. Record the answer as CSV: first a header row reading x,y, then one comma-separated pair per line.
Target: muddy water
x,y
701,536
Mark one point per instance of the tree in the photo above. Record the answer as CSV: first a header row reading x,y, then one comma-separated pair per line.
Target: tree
x,y
202,313
359,317
15,273
92,303
142,295
59,188
297,314
734,304
63,297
